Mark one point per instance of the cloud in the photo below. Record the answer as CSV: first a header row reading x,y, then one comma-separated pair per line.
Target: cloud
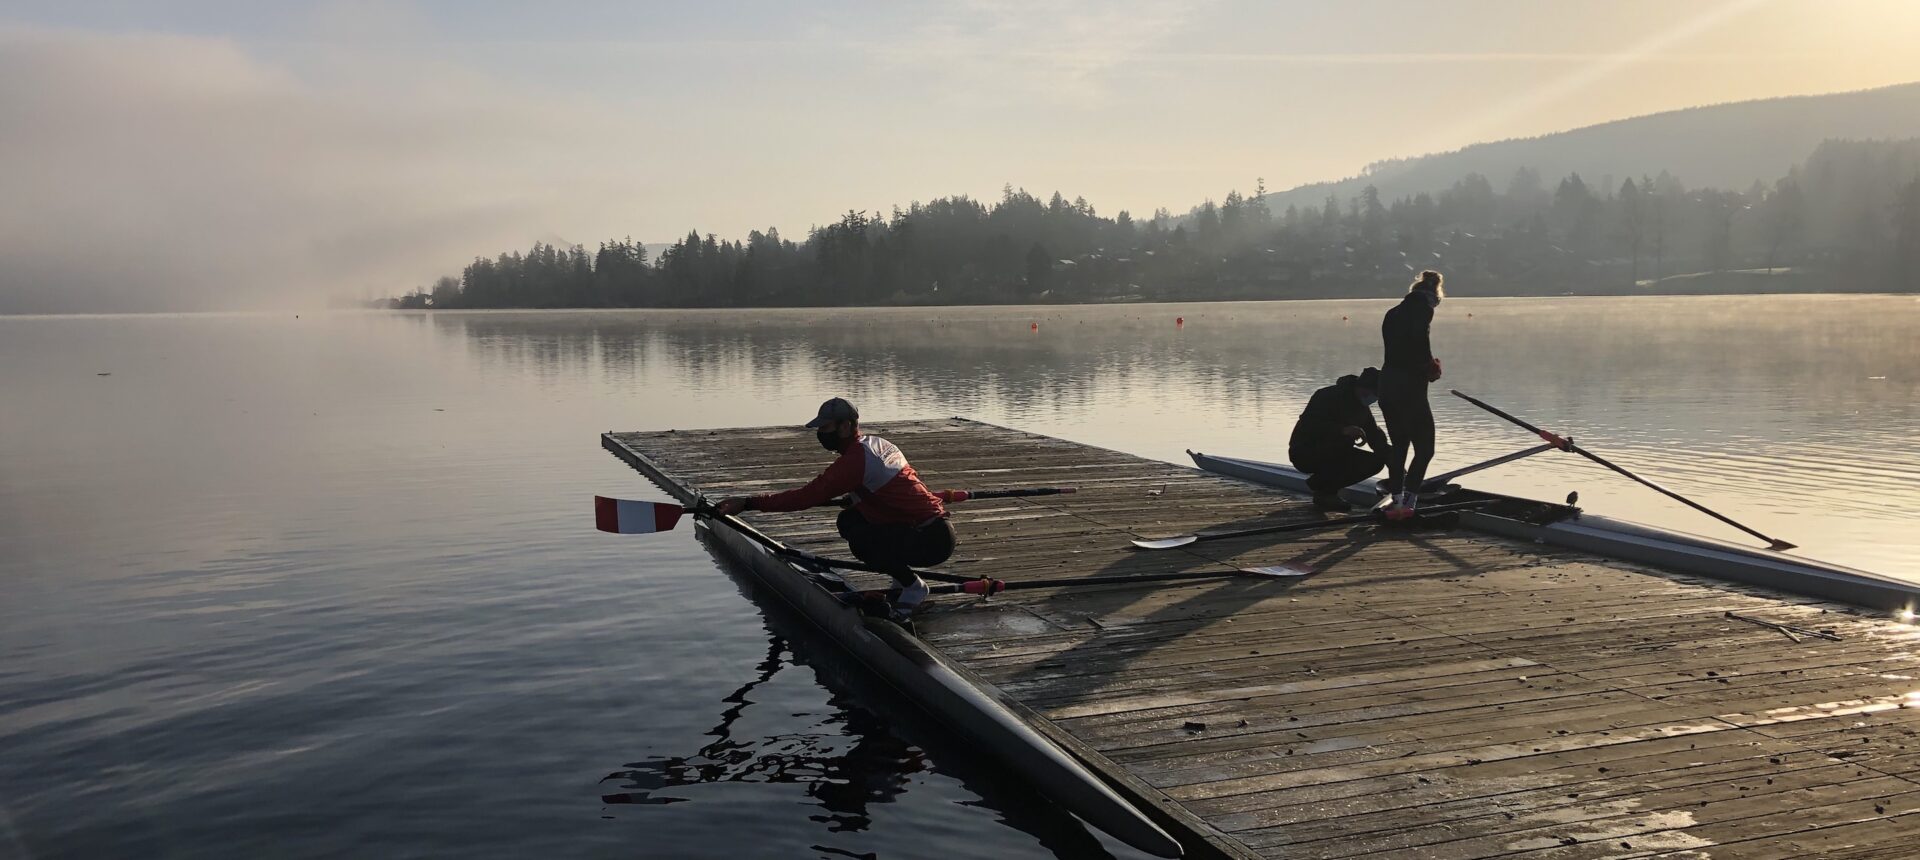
x,y
161,172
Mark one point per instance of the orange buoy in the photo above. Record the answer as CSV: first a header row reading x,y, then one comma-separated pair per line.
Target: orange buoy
x,y
1036,326
1179,321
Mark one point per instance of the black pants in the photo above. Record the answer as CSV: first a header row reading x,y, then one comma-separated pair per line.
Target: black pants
x,y
896,547
1403,402
1331,467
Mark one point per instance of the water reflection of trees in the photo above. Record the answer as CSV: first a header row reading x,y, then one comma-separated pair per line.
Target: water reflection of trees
x,y
1689,366
968,363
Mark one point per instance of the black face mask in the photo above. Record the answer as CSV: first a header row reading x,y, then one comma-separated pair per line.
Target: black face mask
x,y
829,439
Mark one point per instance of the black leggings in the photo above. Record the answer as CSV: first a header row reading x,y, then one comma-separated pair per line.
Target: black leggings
x,y
896,547
1335,466
1403,402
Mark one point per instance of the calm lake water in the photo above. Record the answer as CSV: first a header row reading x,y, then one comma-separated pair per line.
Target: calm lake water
x,y
329,585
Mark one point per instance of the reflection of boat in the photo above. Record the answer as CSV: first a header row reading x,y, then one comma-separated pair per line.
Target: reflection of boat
x,y
842,778
863,752
930,681
1671,550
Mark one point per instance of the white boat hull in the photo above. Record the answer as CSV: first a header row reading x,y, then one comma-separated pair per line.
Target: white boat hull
x,y
1631,541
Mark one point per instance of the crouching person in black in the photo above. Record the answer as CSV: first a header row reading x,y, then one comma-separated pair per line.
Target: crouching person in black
x,y
1324,445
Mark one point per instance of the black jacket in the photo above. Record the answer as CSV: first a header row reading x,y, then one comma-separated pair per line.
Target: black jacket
x,y
1405,332
1330,410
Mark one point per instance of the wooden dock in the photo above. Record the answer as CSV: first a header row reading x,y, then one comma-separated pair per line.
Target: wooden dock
x,y
1434,694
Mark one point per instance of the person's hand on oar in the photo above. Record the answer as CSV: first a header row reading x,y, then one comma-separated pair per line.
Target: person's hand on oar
x,y
730,506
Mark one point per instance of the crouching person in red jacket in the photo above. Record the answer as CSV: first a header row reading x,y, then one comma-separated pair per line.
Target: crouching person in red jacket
x,y
895,523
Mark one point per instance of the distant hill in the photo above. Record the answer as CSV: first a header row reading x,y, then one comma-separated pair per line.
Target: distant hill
x,y
1721,146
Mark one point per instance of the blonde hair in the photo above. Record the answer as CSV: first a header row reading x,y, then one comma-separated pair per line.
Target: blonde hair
x,y
1429,280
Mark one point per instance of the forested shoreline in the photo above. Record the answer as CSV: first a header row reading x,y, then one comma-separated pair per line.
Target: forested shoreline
x,y
1849,213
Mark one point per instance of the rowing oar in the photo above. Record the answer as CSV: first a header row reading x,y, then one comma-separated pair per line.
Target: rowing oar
x,y
1565,444
956,496
1299,526
626,516
951,496
988,586
629,517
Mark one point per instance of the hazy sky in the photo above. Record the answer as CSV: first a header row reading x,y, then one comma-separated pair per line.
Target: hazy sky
x,y
168,154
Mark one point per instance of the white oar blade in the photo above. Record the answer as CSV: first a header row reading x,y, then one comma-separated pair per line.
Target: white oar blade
x,y
627,517
1166,543
1288,569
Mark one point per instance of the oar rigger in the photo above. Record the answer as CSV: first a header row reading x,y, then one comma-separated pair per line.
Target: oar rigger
x,y
1565,443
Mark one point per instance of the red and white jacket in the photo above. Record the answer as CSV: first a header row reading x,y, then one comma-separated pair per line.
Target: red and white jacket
x,y
885,488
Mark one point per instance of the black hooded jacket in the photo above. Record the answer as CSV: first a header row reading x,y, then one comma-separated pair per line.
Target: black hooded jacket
x,y
1405,332
1331,410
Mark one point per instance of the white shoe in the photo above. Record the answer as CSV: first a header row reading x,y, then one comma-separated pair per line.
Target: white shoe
x,y
910,597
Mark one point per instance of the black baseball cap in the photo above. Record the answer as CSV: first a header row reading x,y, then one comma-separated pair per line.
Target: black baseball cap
x,y
837,409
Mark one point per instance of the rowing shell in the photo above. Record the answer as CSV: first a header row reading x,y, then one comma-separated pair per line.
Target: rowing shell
x,y
976,710
1630,541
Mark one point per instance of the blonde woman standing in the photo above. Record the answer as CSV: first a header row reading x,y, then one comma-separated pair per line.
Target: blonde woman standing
x,y
1404,374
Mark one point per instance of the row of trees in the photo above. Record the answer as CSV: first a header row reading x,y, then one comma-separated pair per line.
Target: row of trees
x,y
1851,212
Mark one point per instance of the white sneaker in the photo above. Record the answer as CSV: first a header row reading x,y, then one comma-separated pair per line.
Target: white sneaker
x,y
910,597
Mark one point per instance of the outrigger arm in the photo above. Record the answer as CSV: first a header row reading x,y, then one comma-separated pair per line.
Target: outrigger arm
x,y
1566,444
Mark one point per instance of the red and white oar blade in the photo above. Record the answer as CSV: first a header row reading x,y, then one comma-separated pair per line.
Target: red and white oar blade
x,y
627,517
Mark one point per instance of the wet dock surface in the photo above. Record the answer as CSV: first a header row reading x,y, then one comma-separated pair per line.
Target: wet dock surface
x,y
1433,694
